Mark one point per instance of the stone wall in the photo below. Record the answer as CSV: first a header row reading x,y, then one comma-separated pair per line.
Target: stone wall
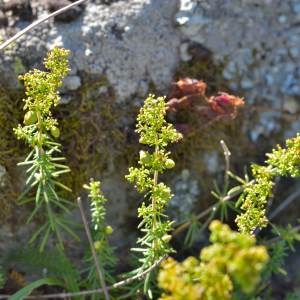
x,y
122,50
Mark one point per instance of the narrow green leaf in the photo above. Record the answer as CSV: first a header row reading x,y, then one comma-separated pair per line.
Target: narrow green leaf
x,y
237,178
34,167
235,190
27,189
139,249
45,238
29,155
30,178
57,159
57,173
61,166
38,205
27,290
216,195
38,193
53,191
61,185
37,233
25,163
68,229
57,203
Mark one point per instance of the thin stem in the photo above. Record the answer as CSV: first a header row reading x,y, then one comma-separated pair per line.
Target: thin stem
x,y
97,291
40,133
198,217
208,210
96,259
154,220
227,163
37,22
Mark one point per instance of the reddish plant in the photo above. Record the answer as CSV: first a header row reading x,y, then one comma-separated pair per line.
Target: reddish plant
x,y
189,93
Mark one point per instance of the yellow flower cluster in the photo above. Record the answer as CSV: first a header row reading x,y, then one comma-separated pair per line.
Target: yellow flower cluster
x,y
231,262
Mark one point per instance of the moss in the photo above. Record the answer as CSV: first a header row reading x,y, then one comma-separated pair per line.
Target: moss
x,y
10,150
91,134
18,66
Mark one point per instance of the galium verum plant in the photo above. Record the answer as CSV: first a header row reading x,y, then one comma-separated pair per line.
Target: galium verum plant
x,y
156,133
253,201
40,131
100,233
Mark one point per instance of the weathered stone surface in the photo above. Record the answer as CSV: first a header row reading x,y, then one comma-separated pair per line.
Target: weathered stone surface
x,y
138,45
257,40
132,43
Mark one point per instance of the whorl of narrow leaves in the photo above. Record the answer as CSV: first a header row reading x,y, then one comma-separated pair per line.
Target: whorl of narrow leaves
x,y
223,266
281,162
157,133
100,233
40,131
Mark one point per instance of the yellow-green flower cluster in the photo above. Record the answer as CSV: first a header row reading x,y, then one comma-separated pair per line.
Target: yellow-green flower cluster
x,y
41,91
97,204
281,162
232,262
254,200
155,132
286,160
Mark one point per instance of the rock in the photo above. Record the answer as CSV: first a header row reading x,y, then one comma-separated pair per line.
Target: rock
x,y
212,162
184,53
246,83
3,19
294,51
186,192
72,82
144,49
291,106
20,8
186,9
282,19
67,16
65,99
257,42
296,7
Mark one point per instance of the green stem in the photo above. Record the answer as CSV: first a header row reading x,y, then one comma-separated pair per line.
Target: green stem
x,y
154,219
198,217
39,125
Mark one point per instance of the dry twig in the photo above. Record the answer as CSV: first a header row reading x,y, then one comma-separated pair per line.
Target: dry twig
x,y
38,22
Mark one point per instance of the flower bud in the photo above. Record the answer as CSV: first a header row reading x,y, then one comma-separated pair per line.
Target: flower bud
x,y
97,245
38,176
167,238
142,140
30,118
144,157
55,132
109,230
169,164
